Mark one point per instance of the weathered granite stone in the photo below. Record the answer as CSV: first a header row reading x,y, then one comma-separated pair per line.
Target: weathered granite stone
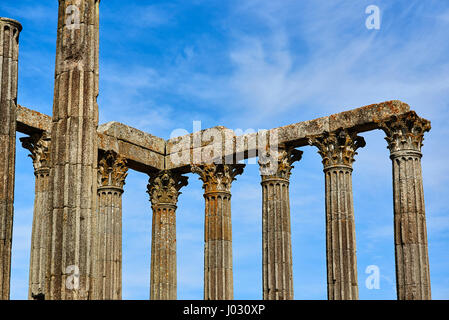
x,y
217,180
367,117
405,135
200,147
277,267
30,121
131,135
9,54
163,188
39,145
76,237
338,150
72,228
143,151
182,151
74,152
112,172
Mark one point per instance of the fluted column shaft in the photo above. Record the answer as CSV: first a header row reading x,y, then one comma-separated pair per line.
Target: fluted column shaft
x,y
9,54
405,135
39,146
109,243
340,235
112,172
163,189
338,150
163,285
277,266
218,276
74,151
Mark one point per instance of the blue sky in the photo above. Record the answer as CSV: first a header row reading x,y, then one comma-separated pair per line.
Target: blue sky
x,y
255,64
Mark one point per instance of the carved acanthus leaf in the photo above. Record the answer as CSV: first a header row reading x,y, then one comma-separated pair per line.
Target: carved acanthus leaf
x,y
112,170
217,177
338,148
163,187
39,146
279,165
405,132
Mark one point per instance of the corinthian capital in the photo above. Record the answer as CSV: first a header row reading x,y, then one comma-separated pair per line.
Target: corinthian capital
x,y
217,177
279,166
337,148
163,187
112,170
39,146
405,132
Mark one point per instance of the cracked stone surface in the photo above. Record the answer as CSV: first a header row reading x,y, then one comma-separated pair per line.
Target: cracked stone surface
x,y
74,154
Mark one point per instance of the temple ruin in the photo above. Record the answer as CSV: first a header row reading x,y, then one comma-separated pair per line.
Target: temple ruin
x,y
80,169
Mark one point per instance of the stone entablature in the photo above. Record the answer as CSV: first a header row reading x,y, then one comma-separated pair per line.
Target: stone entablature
x,y
146,152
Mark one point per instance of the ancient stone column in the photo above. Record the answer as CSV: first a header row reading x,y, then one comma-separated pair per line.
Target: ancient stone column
x,y
163,188
9,54
217,180
405,135
338,150
39,146
277,269
112,172
74,153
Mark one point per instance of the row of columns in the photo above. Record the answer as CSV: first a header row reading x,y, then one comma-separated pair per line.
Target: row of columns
x,y
338,149
77,222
